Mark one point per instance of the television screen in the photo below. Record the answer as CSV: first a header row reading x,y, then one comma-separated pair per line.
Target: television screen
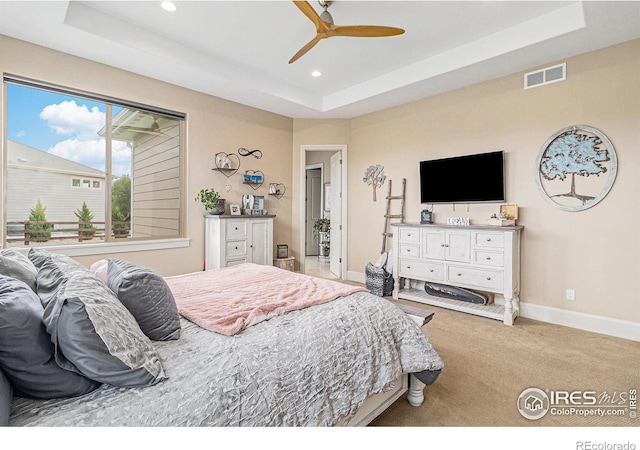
x,y
463,179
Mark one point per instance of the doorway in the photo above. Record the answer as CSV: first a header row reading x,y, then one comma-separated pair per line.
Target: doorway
x,y
332,198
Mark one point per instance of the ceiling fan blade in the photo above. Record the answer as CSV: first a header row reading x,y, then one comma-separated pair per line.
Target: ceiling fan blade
x,y
311,13
365,31
308,46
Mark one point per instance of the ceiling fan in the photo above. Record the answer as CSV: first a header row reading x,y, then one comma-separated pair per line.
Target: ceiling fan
x,y
326,29
154,128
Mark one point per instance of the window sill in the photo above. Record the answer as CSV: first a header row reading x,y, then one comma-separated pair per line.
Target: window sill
x,y
104,248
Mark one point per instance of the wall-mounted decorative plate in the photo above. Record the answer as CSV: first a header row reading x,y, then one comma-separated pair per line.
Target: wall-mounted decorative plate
x,y
576,168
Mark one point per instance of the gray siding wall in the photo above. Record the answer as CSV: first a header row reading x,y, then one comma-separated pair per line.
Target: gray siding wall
x,y
156,185
26,186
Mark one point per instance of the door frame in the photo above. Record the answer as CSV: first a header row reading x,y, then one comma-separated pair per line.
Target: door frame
x,y
312,167
342,149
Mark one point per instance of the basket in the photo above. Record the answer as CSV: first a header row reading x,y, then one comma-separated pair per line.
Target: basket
x,y
378,281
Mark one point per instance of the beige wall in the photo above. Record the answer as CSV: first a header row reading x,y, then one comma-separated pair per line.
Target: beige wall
x,y
597,251
213,125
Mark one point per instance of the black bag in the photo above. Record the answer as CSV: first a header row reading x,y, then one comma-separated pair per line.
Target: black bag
x,y
378,281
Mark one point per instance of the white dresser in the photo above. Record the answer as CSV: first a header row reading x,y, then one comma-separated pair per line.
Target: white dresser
x,y
231,240
475,257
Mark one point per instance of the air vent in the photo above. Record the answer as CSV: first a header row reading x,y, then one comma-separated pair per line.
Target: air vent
x,y
545,76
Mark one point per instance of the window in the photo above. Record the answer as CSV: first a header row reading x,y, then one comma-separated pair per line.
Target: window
x,y
54,134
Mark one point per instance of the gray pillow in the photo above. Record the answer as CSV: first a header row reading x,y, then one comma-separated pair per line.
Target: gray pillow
x,y
94,334
16,265
48,282
26,351
5,400
147,296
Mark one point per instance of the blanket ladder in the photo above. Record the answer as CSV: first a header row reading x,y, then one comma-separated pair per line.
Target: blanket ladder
x,y
388,216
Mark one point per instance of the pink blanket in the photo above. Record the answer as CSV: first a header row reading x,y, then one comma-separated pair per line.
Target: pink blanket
x,y
231,299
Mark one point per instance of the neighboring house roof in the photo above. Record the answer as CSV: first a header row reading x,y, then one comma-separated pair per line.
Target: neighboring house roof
x,y
24,157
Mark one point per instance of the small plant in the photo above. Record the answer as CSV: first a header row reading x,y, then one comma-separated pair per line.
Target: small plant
x,y
209,198
322,224
86,229
119,223
41,226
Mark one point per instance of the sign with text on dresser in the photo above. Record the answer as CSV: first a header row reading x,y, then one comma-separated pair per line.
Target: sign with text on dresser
x,y
463,221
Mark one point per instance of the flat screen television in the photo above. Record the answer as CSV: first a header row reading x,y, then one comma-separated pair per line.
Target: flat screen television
x,y
463,179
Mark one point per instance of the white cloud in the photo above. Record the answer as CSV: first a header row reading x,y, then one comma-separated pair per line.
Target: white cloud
x,y
68,118
92,153
21,133
84,145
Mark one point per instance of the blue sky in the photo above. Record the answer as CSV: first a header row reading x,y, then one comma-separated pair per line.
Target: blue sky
x,y
62,125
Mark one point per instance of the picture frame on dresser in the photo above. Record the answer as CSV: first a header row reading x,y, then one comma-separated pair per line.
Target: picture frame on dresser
x,y
234,210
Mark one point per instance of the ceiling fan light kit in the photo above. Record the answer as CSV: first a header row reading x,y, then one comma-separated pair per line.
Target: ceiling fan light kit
x,y
325,27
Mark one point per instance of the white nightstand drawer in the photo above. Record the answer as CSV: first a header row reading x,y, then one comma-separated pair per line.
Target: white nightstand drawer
x,y
468,276
409,235
236,248
488,258
236,229
424,270
489,239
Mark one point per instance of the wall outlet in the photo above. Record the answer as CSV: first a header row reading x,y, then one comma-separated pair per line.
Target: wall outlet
x,y
571,294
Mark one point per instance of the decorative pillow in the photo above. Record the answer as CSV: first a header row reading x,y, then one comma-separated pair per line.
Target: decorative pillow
x,y
94,334
99,269
147,296
16,265
26,351
49,281
5,400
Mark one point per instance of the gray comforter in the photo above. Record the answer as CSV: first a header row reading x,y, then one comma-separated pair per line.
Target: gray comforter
x,y
306,368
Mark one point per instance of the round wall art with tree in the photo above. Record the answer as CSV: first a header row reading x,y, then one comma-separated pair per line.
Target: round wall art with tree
x,y
576,168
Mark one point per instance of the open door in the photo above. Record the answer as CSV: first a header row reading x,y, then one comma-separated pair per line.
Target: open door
x,y
335,255
314,209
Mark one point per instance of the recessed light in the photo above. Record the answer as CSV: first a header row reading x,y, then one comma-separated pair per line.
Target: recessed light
x,y
168,6
316,73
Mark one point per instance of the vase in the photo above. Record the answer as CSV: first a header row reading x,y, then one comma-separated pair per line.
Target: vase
x,y
220,209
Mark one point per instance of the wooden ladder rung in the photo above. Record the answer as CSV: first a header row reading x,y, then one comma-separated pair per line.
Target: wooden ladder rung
x,y
393,216
387,234
396,197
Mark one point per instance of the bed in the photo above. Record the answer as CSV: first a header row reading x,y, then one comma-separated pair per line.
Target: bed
x,y
334,362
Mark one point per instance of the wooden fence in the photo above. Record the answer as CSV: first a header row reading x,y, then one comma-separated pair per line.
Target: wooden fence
x,y
29,231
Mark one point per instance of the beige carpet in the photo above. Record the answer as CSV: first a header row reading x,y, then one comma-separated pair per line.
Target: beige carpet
x,y
489,364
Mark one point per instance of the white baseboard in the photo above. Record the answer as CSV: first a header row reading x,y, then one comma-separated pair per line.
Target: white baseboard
x,y
589,322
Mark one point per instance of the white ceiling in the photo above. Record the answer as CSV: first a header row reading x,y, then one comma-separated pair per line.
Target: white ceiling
x,y
239,50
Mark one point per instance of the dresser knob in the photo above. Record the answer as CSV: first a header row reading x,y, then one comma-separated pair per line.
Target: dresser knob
x,y
408,267
488,258
459,274
488,278
431,270
236,248
488,239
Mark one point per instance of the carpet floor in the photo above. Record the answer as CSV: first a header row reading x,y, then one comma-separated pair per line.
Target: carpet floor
x,y
489,364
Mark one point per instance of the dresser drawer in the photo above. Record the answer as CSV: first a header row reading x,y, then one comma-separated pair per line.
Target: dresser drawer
x,y
236,229
468,276
235,248
409,235
411,250
424,270
488,258
488,239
